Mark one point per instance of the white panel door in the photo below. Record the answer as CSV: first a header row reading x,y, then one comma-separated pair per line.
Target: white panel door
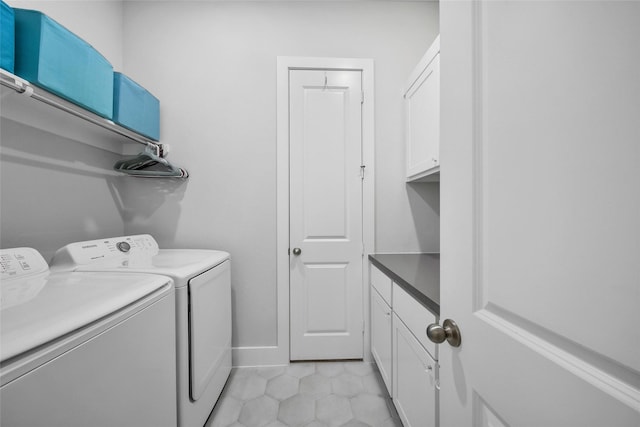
x,y
326,215
540,213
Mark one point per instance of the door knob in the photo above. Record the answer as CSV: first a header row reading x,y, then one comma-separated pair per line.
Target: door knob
x,y
297,251
448,331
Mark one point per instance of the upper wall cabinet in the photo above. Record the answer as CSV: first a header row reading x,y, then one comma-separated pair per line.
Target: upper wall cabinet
x,y
422,112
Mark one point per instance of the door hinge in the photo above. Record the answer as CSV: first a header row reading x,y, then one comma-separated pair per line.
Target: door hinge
x,y
362,97
362,171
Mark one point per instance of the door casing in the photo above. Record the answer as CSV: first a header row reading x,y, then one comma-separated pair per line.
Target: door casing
x,y
280,353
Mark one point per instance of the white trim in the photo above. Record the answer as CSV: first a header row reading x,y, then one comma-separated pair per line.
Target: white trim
x,y
243,357
419,69
284,64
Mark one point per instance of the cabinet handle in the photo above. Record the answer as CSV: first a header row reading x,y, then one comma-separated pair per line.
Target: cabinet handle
x,y
432,376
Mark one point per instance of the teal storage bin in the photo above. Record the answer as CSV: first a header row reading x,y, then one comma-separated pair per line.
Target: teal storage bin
x,y
7,37
135,108
52,57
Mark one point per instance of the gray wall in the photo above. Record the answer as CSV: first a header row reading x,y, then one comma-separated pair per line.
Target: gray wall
x,y
213,65
55,188
99,22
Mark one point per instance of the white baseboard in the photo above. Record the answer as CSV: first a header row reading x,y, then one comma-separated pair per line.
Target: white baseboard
x,y
259,356
268,356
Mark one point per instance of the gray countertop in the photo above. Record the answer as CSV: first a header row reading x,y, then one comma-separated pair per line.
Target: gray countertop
x,y
418,274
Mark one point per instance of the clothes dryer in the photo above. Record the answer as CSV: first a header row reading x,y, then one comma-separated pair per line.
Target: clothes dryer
x,y
202,281
84,349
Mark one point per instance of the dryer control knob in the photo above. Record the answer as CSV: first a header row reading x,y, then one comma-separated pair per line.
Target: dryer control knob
x,y
123,246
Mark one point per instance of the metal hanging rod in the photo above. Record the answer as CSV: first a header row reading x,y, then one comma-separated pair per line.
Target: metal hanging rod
x,y
24,87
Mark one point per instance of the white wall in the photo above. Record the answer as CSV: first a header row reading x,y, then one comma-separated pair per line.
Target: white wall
x,y
55,189
213,65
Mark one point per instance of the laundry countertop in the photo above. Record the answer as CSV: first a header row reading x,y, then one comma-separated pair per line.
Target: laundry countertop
x,y
418,274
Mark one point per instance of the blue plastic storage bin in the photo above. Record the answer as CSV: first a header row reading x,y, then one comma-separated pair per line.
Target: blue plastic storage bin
x,y
50,56
135,108
7,37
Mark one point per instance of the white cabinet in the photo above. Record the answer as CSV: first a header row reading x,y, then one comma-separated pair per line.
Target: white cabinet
x,y
406,359
414,361
422,116
381,337
414,379
381,283
415,316
381,286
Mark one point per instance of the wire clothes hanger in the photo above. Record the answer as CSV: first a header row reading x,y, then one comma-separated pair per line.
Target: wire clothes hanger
x,y
149,164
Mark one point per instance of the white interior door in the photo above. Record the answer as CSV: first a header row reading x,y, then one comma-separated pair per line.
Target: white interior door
x,y
540,205
325,215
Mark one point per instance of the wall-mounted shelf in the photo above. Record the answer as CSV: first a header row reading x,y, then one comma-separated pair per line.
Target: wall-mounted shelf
x,y
24,87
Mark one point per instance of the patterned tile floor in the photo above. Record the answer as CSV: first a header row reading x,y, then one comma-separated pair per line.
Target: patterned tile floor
x,y
320,394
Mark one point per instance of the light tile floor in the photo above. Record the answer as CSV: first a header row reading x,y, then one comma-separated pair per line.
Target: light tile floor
x,y
320,394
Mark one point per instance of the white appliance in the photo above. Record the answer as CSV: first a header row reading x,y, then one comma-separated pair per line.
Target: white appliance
x,y
202,281
84,349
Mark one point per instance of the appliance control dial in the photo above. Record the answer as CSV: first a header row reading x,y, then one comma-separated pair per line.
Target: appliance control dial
x,y
123,246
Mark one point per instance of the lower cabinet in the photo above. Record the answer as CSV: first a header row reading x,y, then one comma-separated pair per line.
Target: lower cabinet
x,y
406,359
414,379
381,337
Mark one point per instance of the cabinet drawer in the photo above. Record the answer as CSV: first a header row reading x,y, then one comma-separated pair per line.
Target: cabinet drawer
x,y
415,316
382,283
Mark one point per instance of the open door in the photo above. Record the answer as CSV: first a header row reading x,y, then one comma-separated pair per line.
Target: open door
x,y
540,187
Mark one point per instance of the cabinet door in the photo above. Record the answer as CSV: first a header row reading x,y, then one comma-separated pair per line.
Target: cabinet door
x,y
422,109
381,337
414,379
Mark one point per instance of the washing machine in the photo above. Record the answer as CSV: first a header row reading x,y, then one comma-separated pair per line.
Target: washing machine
x,y
202,282
84,349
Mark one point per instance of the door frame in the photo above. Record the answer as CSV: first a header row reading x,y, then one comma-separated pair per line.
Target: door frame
x,y
284,65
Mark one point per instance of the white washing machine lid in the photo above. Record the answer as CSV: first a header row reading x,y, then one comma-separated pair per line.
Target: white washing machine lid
x,y
142,255
179,264
41,308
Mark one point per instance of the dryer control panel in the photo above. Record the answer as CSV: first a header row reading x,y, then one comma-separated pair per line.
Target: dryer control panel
x,y
21,262
105,250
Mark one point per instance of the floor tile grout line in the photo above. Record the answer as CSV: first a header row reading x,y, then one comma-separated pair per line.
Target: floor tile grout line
x,y
373,387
